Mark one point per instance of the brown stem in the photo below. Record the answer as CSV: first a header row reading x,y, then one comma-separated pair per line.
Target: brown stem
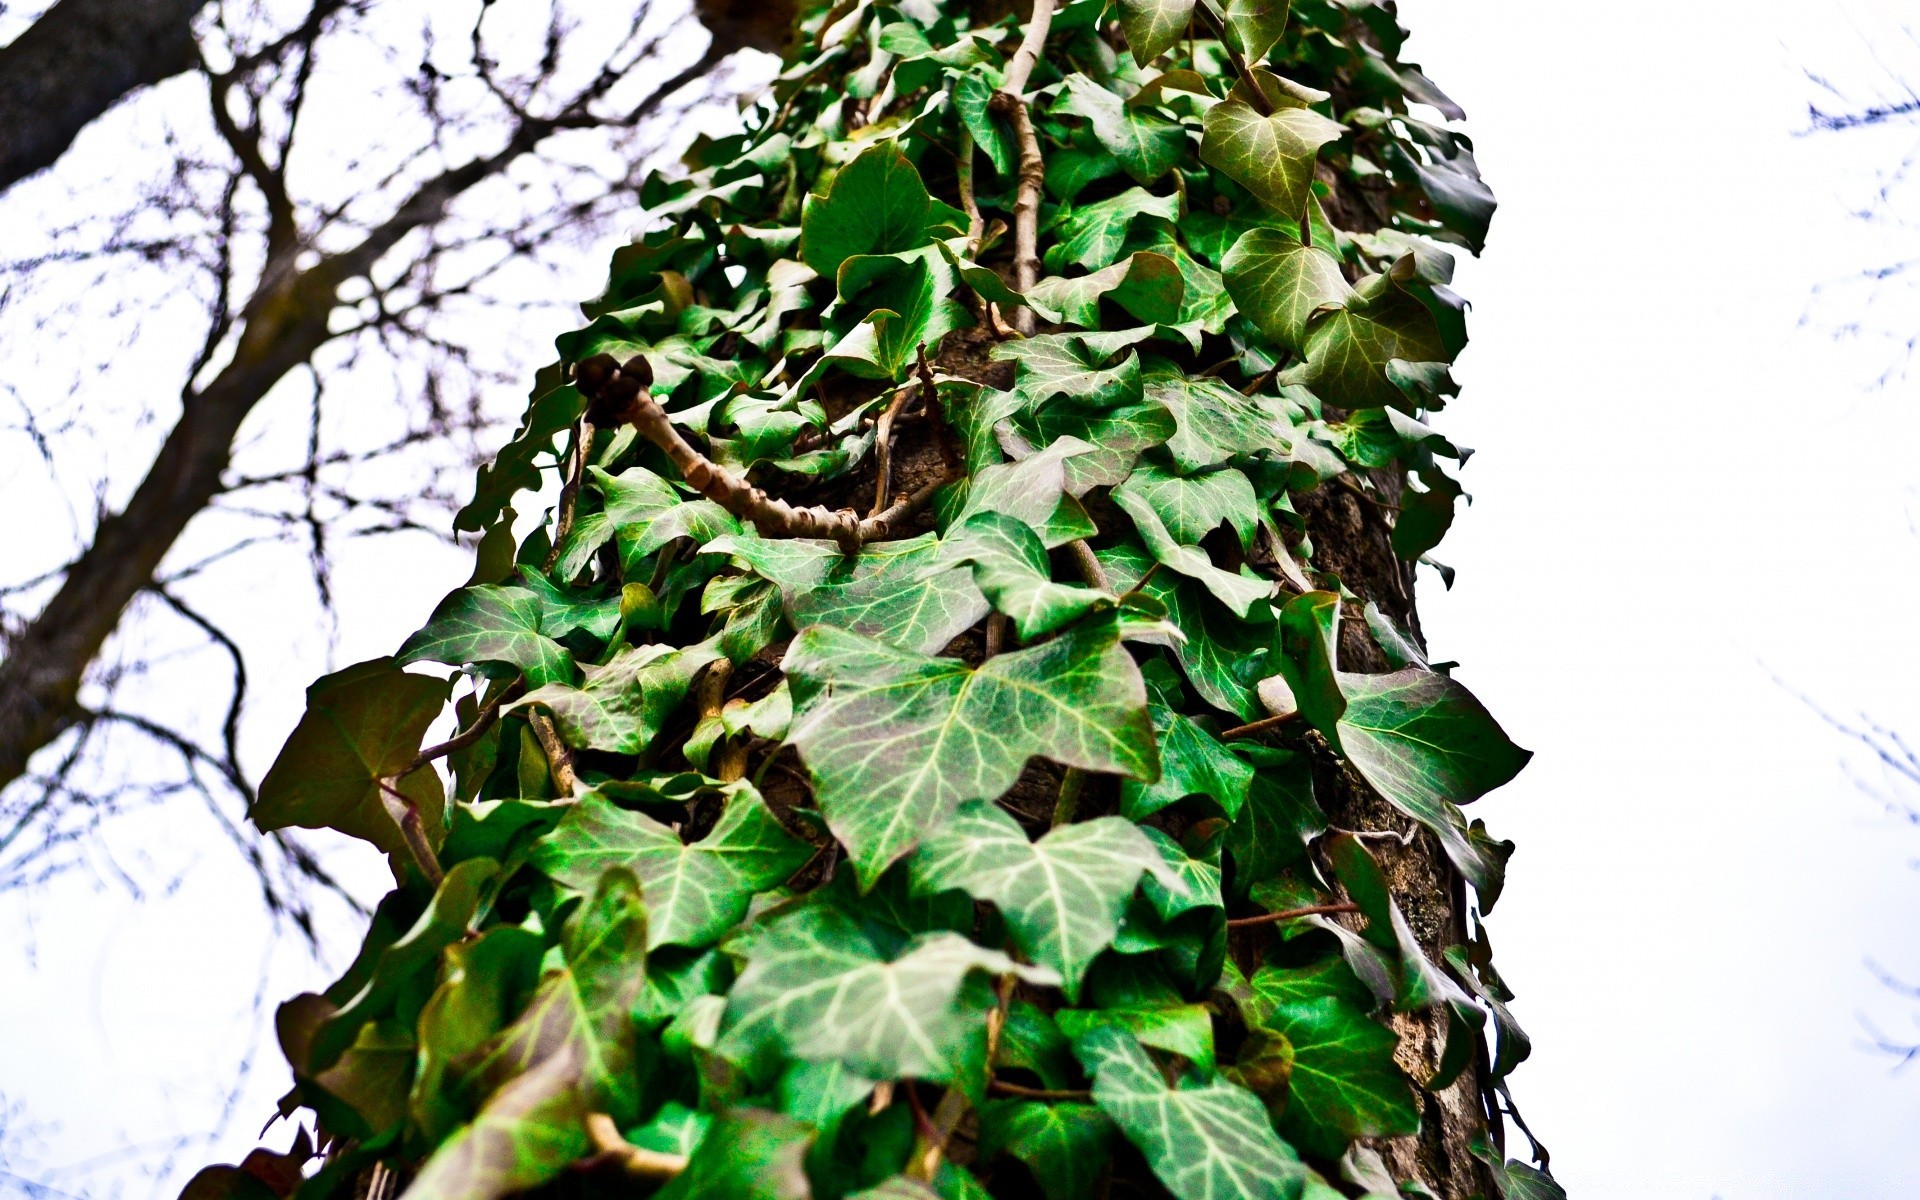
x,y
1238,60
996,639
621,390
1260,726
963,172
1089,564
883,447
559,757
634,1160
1020,66
1026,1093
570,490
407,816
1026,203
1067,805
1291,913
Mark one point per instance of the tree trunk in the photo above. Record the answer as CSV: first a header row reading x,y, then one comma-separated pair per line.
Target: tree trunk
x,y
76,62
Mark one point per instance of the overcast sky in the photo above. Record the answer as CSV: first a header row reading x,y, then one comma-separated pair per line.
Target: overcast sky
x,y
1690,504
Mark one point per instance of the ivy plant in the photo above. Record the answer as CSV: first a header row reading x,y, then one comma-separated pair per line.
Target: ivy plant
x,y
939,742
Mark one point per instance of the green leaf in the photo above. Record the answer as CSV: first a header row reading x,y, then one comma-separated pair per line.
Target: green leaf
x,y
876,204
1213,422
1145,143
1192,763
1348,349
889,591
1009,563
362,725
1061,896
747,1154
484,982
1174,1026
1205,1141
1190,880
1172,514
1214,645
694,892
910,306
554,405
621,706
401,965
1426,744
1072,365
563,610
1309,641
1271,156
1065,1146
1116,438
816,987
1279,818
895,742
973,100
1279,283
1033,491
1093,235
1253,26
1147,284
1513,1179
490,624
642,513
1154,27
528,1132
570,1053
1344,1083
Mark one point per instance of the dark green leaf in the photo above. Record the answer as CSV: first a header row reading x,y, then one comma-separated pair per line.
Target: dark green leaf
x,y
1279,283
1271,156
875,205
490,624
748,1154
362,725
1192,763
1066,1146
1153,27
1145,143
1009,563
895,742
622,706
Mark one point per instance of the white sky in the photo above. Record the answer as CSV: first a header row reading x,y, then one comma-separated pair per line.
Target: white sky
x,y
1680,494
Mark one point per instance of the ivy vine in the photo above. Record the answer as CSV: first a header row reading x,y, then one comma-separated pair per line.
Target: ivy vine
x,y
890,771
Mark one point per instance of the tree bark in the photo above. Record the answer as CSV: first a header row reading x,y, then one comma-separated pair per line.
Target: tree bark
x,y
76,62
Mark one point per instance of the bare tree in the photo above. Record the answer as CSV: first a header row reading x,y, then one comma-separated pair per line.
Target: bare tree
x,y
346,224
1855,306
77,61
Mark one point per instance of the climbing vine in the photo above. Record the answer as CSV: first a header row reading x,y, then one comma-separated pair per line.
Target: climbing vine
x,y
910,759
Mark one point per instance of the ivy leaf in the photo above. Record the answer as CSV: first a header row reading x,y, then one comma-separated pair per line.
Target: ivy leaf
x,y
490,624
1093,235
816,987
1271,156
362,725
1188,882
747,1154
694,892
484,982
890,591
1192,763
973,100
554,405
402,965
1167,511
1116,438
1145,143
1212,421
562,610
911,308
1065,1146
1348,349
1072,365
1344,1083
1426,744
1279,818
1147,284
1153,27
1032,491
1061,896
1253,26
1214,645
621,706
1009,563
875,205
1206,1141
1279,283
528,1132
1309,641
1514,1179
895,742
642,512
570,1053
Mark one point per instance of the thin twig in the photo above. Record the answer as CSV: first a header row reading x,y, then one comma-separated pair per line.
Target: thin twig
x,y
559,757
1020,66
883,446
1261,726
1291,913
1010,102
1089,564
622,390
414,830
1239,61
634,1160
1026,1093
570,490
969,203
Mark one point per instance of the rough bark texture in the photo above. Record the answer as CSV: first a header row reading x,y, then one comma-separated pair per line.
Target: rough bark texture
x,y
76,62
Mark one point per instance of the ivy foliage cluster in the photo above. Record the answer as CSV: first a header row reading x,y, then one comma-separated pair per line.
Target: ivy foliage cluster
x,y
891,771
